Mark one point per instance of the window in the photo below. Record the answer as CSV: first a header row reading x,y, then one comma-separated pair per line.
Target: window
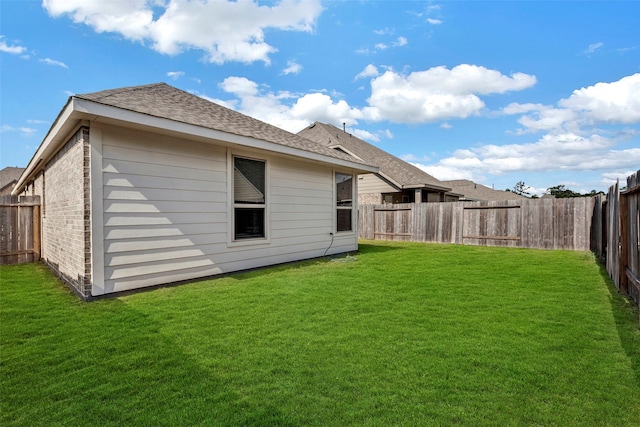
x,y
248,198
344,202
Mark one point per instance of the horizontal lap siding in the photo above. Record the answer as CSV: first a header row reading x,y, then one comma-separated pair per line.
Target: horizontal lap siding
x,y
302,210
165,209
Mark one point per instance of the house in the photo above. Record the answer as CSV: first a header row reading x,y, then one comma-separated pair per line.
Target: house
x,y
473,192
149,185
8,179
396,182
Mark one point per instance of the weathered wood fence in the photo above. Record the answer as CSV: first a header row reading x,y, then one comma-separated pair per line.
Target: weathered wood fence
x,y
534,223
19,229
616,235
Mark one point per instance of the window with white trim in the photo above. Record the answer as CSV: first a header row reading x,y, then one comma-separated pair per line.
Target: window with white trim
x,y
344,202
249,201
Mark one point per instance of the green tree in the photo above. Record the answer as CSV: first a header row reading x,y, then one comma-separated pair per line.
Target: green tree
x,y
522,189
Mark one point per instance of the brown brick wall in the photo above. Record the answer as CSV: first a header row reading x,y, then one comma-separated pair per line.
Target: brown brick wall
x,y
64,187
369,198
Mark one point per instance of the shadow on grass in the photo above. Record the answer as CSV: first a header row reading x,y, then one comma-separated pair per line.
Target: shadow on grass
x,y
625,314
104,363
374,247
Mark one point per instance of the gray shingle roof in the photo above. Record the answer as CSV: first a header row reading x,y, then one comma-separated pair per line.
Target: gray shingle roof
x,y
165,101
401,172
473,191
8,176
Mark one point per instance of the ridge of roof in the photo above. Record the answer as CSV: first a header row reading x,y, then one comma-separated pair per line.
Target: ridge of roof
x,y
168,102
403,173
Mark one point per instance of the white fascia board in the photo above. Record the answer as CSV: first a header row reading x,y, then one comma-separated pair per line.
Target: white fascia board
x,y
119,114
48,147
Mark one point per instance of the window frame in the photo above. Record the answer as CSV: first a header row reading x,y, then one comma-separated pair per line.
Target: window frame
x,y
232,240
338,207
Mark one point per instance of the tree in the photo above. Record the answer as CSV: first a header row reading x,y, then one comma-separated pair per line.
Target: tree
x,y
562,192
521,189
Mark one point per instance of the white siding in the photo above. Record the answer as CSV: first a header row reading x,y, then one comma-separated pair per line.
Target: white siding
x,y
165,212
164,209
370,183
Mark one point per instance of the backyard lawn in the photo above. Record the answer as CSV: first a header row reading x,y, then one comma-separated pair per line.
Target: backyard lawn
x,y
399,334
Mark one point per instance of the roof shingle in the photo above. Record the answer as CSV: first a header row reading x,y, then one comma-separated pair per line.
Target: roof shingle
x,y
165,101
402,173
473,191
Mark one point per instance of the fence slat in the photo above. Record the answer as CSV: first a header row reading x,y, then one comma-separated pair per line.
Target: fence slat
x,y
19,229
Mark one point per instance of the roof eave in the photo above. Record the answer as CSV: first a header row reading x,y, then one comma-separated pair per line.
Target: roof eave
x,y
141,119
77,109
427,186
63,124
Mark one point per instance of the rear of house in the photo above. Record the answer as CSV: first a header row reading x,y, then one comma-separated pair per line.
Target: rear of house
x,y
150,185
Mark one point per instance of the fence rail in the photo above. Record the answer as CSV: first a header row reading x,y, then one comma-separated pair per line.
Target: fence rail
x,y
19,229
535,223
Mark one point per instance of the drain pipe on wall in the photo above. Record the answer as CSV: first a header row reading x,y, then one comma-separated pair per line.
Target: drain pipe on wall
x,y
330,244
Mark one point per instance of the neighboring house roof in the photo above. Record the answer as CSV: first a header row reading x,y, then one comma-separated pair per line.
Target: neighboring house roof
x,y
8,177
398,172
479,192
166,108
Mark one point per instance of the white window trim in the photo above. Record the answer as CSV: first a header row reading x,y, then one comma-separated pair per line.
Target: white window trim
x,y
258,241
354,204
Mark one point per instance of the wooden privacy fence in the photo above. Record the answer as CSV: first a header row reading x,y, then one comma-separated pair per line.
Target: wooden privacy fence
x,y
19,229
616,235
533,223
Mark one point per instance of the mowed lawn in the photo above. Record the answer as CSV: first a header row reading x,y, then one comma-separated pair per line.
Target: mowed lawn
x,y
399,334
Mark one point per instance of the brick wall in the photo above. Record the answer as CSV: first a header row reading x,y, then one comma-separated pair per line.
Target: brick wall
x,y
369,198
66,226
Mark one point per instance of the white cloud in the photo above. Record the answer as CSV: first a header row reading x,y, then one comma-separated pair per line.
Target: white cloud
x,y
15,50
53,62
434,21
438,93
434,94
292,68
593,47
446,126
565,152
400,41
603,103
364,135
175,75
369,71
223,30
384,31
445,173
615,102
292,112
240,86
26,131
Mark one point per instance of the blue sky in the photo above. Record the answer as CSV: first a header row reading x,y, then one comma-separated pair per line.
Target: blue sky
x,y
497,92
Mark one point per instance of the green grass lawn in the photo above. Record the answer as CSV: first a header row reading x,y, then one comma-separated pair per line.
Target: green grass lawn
x,y
400,334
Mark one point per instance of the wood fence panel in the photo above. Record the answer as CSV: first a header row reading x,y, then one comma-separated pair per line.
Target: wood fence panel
x,y
630,236
613,234
598,228
492,224
19,229
540,223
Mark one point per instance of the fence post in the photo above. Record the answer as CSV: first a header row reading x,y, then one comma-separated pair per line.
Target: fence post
x,y
36,233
